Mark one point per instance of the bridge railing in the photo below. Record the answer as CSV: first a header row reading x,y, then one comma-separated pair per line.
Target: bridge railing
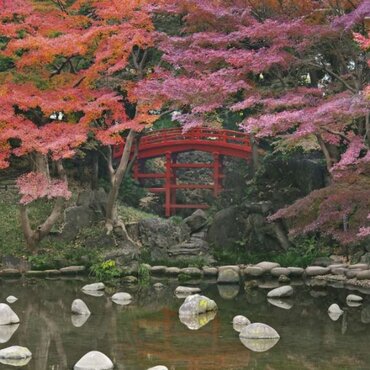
x,y
198,134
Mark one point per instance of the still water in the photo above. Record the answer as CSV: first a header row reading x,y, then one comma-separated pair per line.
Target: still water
x,y
148,332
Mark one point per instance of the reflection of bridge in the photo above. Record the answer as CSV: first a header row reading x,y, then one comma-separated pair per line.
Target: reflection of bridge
x,y
172,141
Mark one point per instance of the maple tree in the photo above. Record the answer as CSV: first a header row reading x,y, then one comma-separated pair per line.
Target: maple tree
x,y
73,65
290,68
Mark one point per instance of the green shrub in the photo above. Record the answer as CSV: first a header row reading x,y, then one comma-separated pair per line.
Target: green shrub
x,y
105,271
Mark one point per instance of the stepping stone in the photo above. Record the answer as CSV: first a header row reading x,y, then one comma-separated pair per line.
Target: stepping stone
x,y
283,291
267,266
278,271
316,270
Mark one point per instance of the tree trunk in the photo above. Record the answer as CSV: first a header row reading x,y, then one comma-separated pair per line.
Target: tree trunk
x,y
41,164
33,237
111,212
328,158
255,155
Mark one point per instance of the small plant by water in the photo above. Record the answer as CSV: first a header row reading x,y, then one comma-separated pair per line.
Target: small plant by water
x,y
105,271
144,274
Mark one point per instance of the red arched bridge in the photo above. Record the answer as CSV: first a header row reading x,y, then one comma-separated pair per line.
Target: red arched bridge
x,y
169,142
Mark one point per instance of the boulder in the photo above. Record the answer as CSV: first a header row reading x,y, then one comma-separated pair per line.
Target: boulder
x,y
15,356
11,299
72,270
94,360
75,218
94,287
267,266
339,271
184,291
196,220
158,367
191,248
228,275
197,304
254,271
352,273
316,270
284,279
259,337
122,298
259,331
283,291
7,315
363,275
239,322
278,271
334,312
159,235
158,270
192,271
79,307
359,266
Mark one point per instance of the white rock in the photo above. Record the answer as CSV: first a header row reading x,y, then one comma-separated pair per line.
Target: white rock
x,y
7,315
7,331
258,330
15,353
259,337
159,367
283,291
94,287
11,299
239,322
197,304
184,291
334,312
267,266
122,298
354,298
316,270
280,303
94,360
79,307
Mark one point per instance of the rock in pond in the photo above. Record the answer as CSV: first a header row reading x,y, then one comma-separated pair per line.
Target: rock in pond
x,y
158,367
122,298
278,271
94,287
7,331
7,315
259,337
296,271
15,356
283,291
210,271
196,322
197,304
228,275
158,286
239,322
79,307
334,312
11,299
267,266
184,291
228,291
316,270
254,271
94,360
363,275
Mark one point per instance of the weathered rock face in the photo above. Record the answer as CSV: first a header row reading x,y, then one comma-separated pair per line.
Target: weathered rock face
x,y
94,360
245,222
196,221
7,315
197,304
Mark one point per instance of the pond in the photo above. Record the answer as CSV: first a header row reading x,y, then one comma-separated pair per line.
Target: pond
x,y
148,332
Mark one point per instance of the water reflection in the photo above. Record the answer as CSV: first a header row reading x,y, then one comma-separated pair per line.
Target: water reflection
x,y
17,363
197,321
148,331
7,331
79,320
259,345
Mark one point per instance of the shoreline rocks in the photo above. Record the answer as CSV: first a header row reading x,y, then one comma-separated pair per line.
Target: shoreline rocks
x,y
7,315
94,360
